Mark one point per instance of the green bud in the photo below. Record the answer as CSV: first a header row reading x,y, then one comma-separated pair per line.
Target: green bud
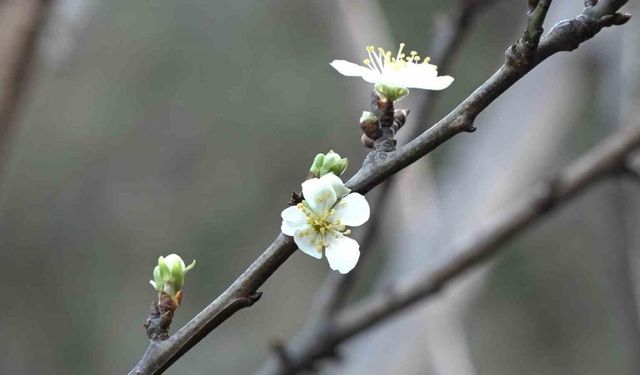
x,y
168,275
391,93
316,166
339,167
163,269
157,282
329,163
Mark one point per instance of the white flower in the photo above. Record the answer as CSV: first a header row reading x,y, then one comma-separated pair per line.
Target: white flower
x,y
400,71
318,224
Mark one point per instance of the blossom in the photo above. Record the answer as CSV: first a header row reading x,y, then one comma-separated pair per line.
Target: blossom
x,y
399,72
319,224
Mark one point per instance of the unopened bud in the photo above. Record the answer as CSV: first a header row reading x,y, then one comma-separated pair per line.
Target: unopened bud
x,y
366,141
329,163
399,118
168,275
370,125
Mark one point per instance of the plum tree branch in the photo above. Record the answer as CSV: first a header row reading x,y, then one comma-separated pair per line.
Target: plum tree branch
x,y
335,289
378,166
606,159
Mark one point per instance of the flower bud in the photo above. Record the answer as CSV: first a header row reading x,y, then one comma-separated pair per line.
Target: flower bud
x,y
399,118
370,125
391,93
168,275
329,163
366,141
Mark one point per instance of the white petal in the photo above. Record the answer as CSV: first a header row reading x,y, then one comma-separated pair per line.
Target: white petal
x,y
349,69
319,194
306,241
419,76
342,253
437,83
336,184
292,220
352,210
372,76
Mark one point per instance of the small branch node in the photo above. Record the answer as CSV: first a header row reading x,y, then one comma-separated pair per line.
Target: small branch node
x,y
399,118
616,19
521,56
160,318
295,198
464,123
252,298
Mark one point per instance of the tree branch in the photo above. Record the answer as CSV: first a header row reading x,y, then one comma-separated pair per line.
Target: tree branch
x,y
333,293
378,166
606,158
335,289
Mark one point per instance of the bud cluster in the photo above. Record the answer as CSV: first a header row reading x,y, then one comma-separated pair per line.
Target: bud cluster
x,y
382,123
329,163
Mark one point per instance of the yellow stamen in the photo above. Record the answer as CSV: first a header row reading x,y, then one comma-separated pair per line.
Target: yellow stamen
x,y
398,57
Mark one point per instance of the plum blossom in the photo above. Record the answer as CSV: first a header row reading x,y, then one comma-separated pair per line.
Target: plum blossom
x,y
399,72
319,223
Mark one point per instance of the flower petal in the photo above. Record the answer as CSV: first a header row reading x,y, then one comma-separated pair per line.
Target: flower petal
x,y
319,194
419,76
336,184
342,253
292,220
349,69
352,210
306,240
436,83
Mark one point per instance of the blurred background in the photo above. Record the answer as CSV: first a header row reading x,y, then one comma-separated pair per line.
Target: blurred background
x,y
182,126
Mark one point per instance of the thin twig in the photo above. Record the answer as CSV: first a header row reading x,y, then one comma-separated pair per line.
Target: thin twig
x,y
378,166
477,247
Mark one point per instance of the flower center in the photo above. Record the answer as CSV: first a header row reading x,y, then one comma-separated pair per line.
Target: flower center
x,y
324,226
382,59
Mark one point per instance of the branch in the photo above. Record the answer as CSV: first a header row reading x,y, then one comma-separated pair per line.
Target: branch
x,y
606,158
334,291
378,166
22,21
447,42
